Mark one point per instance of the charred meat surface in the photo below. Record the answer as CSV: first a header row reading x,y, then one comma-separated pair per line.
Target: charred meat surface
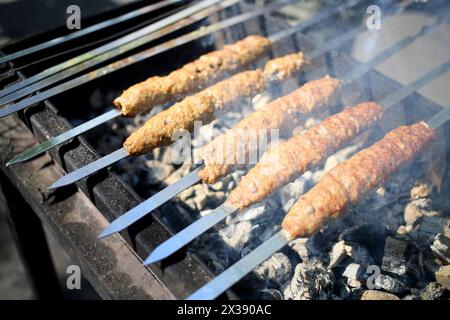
x,y
193,76
206,105
282,113
291,158
348,182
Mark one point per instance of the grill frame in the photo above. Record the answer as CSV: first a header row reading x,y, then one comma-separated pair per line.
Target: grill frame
x,y
184,273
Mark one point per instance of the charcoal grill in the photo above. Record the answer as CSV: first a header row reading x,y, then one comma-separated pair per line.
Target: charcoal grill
x,y
106,196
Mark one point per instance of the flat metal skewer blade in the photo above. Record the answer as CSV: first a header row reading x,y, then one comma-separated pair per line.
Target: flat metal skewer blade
x,y
88,30
95,74
64,137
439,119
189,233
151,204
98,55
90,168
236,272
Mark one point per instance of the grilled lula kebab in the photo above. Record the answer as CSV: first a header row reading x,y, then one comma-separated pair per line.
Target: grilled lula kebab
x,y
295,156
74,132
203,106
212,173
114,113
346,184
191,78
211,103
313,96
252,47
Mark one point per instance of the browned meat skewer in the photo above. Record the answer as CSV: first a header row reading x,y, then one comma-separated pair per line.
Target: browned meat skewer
x,y
210,103
281,113
295,156
192,77
348,182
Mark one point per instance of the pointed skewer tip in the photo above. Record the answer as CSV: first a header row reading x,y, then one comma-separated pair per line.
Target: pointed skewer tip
x,y
10,163
107,232
57,184
153,258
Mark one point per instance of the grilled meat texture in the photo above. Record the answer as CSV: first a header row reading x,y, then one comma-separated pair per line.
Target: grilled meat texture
x,y
223,153
348,182
206,105
292,158
192,77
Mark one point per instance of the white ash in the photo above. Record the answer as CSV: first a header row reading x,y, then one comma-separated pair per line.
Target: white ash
x,y
402,207
303,247
236,235
432,291
356,275
441,248
311,281
277,269
390,284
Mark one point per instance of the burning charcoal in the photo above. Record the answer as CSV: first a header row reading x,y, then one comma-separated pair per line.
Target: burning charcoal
x,y
218,186
231,184
441,248
186,194
216,199
339,251
304,248
413,212
403,230
431,226
156,172
277,270
389,284
420,204
366,234
443,276
432,291
421,190
292,191
397,256
237,235
198,202
311,281
252,213
378,295
341,289
430,267
270,294
355,275
411,297
360,255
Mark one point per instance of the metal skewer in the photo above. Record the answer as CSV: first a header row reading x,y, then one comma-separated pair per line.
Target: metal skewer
x,y
115,113
229,277
194,35
170,45
106,161
263,252
155,201
188,234
97,55
82,32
